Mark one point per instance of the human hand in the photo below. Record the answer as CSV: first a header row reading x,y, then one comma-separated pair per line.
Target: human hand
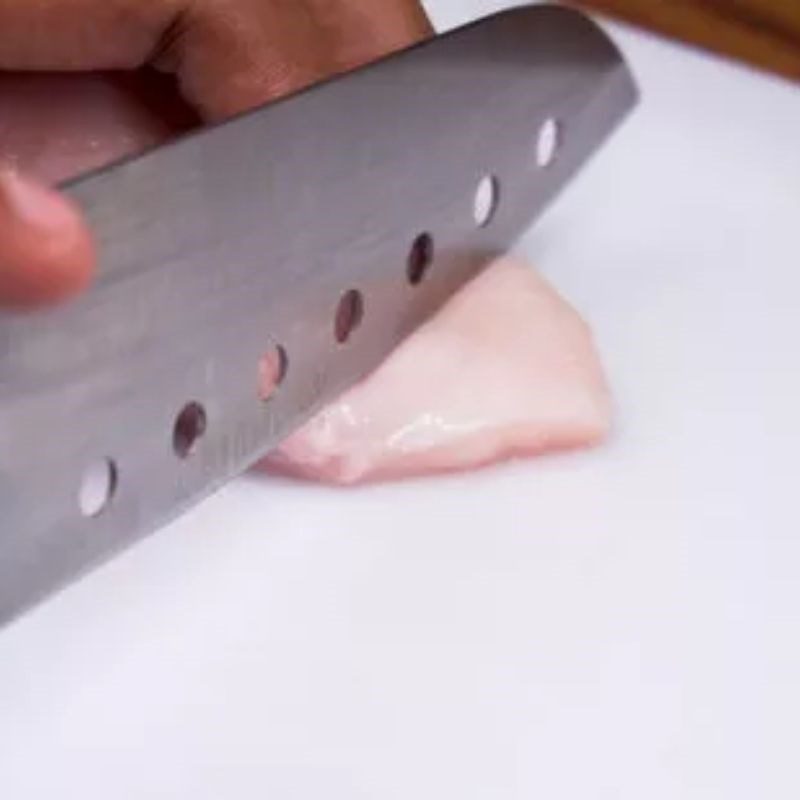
x,y
78,88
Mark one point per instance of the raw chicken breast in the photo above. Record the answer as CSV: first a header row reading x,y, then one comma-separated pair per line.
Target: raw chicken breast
x,y
506,369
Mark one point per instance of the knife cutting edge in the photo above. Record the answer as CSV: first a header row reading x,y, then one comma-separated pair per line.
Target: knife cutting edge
x,y
304,240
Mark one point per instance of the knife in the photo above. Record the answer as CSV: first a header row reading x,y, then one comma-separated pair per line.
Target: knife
x,y
301,241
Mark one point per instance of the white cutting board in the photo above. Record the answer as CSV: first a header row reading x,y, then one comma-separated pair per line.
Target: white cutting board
x,y
622,624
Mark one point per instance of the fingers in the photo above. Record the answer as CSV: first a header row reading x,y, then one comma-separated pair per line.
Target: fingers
x,y
233,56
82,35
46,252
228,55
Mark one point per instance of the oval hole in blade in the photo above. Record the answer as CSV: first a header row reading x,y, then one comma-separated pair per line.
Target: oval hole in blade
x,y
98,487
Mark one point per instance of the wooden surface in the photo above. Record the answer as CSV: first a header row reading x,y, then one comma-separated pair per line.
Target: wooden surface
x,y
763,33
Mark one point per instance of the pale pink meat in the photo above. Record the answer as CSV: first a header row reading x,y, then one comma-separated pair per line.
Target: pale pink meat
x,y
506,370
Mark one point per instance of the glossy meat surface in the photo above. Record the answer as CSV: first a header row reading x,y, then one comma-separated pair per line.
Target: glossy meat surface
x,y
507,369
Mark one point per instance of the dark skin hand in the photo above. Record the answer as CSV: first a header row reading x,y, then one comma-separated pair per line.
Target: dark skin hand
x,y
133,72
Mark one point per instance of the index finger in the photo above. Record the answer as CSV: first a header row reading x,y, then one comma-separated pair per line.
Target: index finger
x,y
227,56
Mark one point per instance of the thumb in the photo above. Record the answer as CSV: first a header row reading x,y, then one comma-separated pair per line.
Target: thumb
x,y
46,252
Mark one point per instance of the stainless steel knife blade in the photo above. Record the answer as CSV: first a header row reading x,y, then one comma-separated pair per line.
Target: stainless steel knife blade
x,y
288,230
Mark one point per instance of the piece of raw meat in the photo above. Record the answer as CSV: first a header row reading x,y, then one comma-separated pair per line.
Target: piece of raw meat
x,y
507,368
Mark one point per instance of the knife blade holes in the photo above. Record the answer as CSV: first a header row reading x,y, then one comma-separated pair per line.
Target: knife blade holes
x,y
548,143
420,258
487,199
272,369
98,487
349,315
190,427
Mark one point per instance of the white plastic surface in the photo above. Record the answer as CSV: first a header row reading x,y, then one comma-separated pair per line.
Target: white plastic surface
x,y
618,625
